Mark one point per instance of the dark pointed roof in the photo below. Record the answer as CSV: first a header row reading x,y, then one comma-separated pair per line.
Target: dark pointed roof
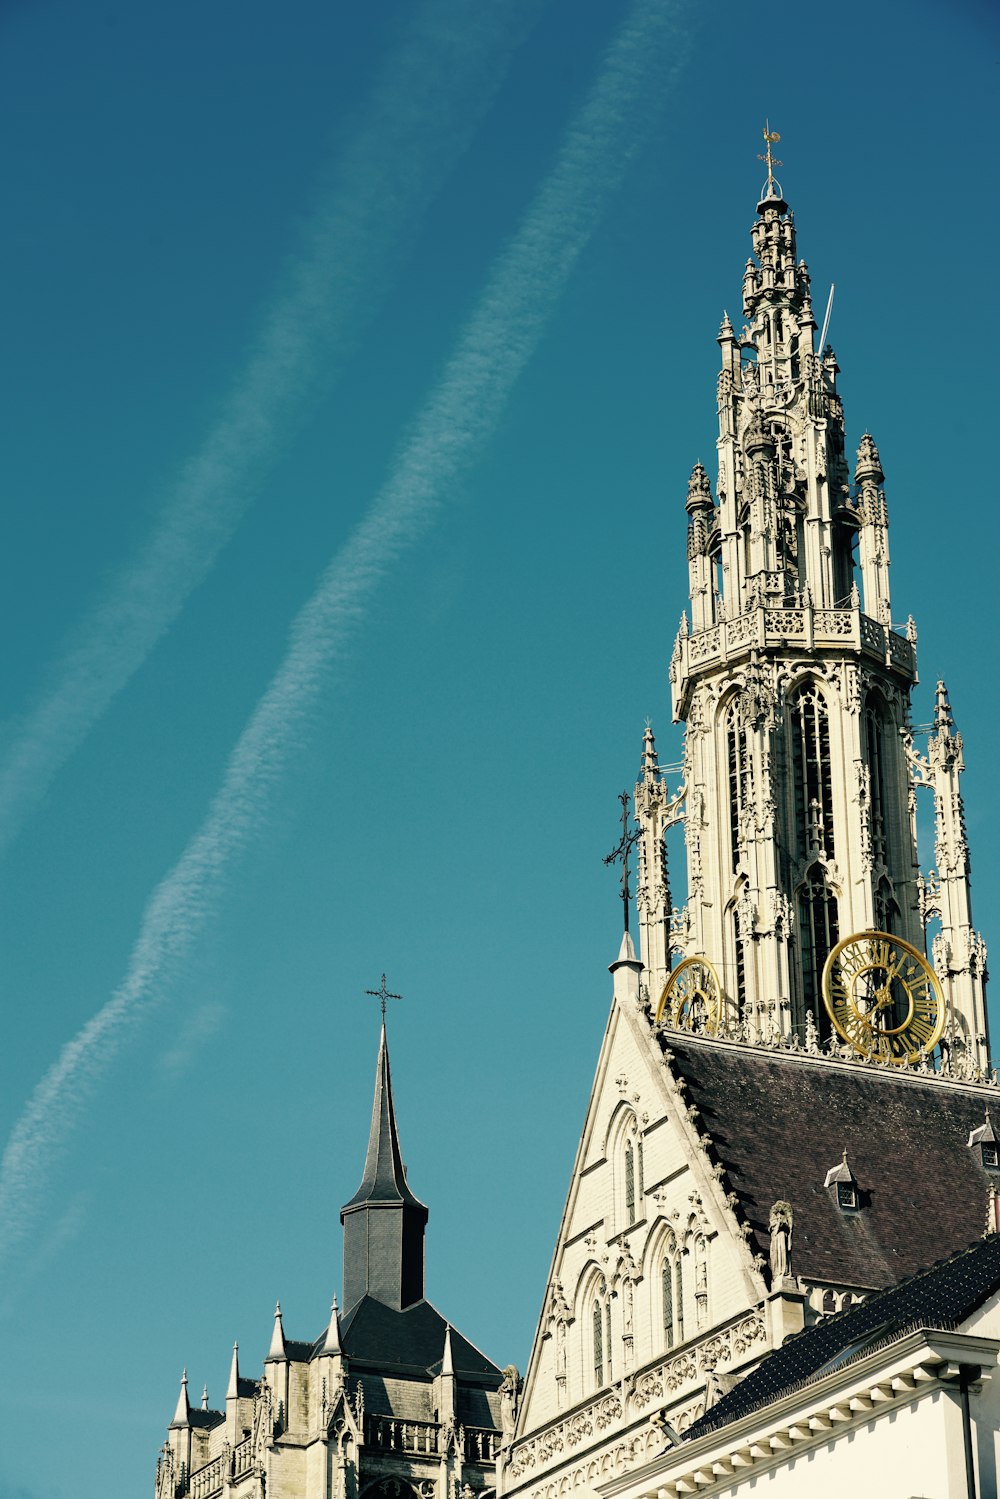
x,y
778,1121
384,1178
939,1298
411,1341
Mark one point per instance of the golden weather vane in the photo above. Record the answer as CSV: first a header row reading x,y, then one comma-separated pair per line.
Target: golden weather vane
x,y
771,138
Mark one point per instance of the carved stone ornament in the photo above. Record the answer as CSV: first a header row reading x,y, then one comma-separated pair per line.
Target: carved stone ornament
x,y
780,1226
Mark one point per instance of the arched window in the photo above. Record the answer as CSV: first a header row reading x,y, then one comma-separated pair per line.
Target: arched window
x,y
667,1276
739,952
624,1146
740,776
672,1295
875,718
886,909
812,777
818,935
598,1325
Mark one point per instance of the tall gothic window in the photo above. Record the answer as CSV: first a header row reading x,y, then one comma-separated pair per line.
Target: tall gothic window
x,y
818,935
874,744
740,776
739,956
598,1322
886,909
667,1276
629,1183
812,777
672,1294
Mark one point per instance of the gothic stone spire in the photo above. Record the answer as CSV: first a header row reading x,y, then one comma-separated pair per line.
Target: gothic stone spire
x,y
383,1222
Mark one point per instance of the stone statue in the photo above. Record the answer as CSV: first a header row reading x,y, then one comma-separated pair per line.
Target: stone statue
x,y
510,1388
780,1224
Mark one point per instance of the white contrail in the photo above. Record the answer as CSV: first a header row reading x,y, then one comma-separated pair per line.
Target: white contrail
x,y
421,117
460,415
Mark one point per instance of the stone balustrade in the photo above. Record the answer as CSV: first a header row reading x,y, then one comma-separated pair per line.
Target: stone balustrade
x,y
209,1479
390,1434
814,629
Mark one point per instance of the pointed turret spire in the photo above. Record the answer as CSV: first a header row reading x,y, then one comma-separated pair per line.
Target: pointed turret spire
x,y
331,1343
447,1361
204,1397
182,1415
383,1222
233,1388
650,763
277,1348
943,721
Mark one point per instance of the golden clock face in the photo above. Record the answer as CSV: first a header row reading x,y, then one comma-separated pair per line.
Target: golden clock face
x,y
883,997
692,998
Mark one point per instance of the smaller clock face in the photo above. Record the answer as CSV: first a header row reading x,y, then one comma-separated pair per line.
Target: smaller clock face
x,y
692,998
884,998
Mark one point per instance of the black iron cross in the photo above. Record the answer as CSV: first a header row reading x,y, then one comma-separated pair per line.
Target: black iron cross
x,y
627,843
382,995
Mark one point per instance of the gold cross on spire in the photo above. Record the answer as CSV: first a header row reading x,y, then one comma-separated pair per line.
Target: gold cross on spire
x,y
771,138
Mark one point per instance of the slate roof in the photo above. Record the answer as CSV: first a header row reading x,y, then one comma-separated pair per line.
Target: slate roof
x,y
780,1121
410,1341
941,1297
206,1419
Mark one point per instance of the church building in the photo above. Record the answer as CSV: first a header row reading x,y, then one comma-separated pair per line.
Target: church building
x,y
779,1258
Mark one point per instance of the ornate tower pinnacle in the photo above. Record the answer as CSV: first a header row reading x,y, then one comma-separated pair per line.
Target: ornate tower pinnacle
x,y
794,690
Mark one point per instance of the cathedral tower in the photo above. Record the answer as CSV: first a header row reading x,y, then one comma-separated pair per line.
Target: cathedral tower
x,y
799,771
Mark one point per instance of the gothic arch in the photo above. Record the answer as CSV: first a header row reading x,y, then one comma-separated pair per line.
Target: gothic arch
x,y
737,771
817,924
623,1150
389,1488
592,1305
664,1276
807,721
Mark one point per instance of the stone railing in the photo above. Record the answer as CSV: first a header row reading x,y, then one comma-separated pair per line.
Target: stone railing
x,y
212,1478
761,628
481,1444
654,1383
209,1480
243,1458
390,1434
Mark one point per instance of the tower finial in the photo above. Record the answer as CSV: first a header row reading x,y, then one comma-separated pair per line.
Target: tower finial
x,y
277,1348
182,1415
624,848
382,994
772,188
233,1388
331,1343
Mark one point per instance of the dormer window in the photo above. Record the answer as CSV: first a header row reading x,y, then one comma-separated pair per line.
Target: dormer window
x,y
984,1143
843,1184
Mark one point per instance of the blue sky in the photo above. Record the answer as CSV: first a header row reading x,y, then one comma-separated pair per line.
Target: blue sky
x,y
408,311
